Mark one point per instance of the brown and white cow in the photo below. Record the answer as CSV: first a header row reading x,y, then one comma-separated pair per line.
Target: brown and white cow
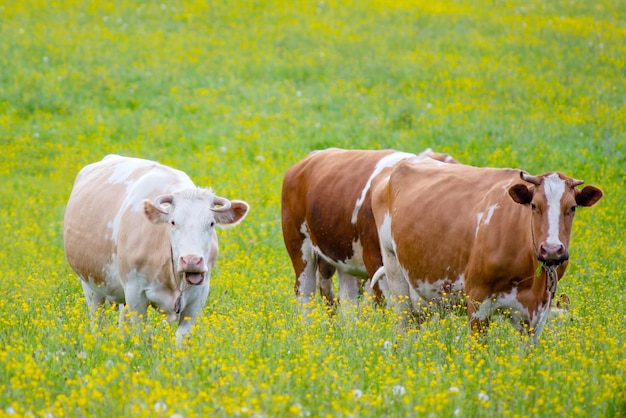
x,y
327,219
139,233
490,234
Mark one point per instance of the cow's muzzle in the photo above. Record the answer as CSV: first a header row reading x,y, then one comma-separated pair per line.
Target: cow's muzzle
x,y
193,269
552,254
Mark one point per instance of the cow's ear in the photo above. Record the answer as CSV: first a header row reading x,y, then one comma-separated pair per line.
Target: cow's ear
x,y
588,196
152,213
238,210
521,194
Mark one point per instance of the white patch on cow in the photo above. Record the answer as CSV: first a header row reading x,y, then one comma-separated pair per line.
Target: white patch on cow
x,y
307,279
490,212
541,320
353,265
387,161
519,313
554,188
479,217
123,171
431,290
384,234
112,288
505,187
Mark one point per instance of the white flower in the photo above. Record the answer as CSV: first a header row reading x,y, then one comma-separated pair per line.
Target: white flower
x,y
357,393
160,406
398,390
387,345
453,389
483,396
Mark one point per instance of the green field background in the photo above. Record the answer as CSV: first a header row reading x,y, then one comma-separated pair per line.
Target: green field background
x,y
234,93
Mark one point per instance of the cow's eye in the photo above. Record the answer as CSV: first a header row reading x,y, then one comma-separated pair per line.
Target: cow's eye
x,y
572,210
212,224
172,222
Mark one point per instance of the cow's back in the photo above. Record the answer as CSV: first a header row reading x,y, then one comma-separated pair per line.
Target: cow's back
x,y
104,223
464,219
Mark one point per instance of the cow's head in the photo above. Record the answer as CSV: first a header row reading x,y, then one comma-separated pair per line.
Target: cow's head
x,y
553,198
192,216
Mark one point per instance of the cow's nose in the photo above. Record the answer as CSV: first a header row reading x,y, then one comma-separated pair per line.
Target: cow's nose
x,y
552,253
191,263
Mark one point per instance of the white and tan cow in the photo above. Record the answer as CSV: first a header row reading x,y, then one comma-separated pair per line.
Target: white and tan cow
x,y
498,237
139,233
327,219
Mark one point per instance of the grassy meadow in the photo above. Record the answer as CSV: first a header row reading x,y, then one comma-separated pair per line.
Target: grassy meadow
x,y
236,92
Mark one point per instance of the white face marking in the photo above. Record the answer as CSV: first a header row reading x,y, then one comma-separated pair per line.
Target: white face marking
x,y
387,161
554,188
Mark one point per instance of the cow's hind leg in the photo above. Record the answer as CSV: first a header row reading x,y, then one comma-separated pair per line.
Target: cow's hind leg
x,y
325,272
398,288
349,289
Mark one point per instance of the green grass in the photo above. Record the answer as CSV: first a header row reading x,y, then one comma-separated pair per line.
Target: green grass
x,y
234,93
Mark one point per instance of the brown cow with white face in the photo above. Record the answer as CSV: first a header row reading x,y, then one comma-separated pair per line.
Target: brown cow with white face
x,y
327,219
481,232
139,233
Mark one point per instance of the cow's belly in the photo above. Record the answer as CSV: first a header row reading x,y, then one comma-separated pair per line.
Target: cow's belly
x,y
111,289
438,288
352,264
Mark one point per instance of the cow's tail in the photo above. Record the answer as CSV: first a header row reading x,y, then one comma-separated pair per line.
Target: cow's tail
x,y
379,273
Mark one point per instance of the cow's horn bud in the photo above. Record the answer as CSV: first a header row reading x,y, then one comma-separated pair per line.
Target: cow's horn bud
x,y
223,202
531,179
162,199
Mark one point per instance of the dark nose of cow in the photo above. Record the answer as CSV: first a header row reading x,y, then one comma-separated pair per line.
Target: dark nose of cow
x,y
552,253
191,263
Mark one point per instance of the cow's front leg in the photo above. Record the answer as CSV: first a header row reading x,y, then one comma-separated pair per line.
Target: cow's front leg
x,y
136,302
192,302
480,306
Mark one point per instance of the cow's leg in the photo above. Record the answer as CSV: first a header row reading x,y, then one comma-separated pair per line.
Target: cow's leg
x,y
349,287
325,273
305,286
480,306
94,300
136,302
398,288
193,301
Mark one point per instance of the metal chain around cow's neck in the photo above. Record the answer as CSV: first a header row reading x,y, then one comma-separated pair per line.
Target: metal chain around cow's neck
x,y
552,279
181,286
